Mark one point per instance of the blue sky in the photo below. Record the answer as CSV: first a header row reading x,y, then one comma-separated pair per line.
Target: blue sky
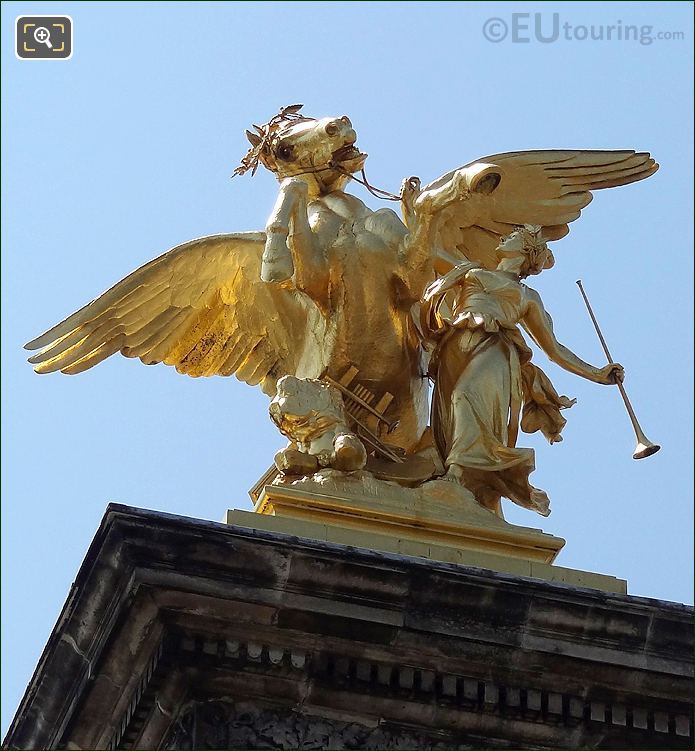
x,y
127,149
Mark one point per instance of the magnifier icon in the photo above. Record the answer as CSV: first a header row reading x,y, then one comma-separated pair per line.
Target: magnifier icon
x,y
43,36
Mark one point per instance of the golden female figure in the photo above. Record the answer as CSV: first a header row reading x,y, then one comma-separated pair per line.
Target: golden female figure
x,y
486,386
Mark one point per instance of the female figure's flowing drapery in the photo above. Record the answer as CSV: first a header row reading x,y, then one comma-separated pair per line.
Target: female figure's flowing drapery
x,y
483,380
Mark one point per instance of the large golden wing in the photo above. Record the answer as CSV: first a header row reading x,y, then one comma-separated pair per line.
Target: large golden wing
x,y
200,307
549,188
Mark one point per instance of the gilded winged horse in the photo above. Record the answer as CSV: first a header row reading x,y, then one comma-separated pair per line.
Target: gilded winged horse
x,y
330,283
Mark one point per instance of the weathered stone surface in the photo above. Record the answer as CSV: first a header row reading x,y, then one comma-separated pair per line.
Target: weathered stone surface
x,y
225,725
272,641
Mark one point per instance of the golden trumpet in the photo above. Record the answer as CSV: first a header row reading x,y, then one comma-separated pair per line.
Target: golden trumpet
x,y
644,446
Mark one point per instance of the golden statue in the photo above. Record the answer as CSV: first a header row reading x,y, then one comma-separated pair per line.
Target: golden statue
x,y
330,293
483,372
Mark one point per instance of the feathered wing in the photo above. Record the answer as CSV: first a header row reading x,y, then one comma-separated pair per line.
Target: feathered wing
x,y
200,307
549,188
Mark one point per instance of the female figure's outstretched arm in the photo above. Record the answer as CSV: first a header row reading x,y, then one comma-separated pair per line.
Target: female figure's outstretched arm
x,y
540,326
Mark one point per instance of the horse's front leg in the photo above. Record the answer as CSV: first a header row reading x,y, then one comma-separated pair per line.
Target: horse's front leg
x,y
291,248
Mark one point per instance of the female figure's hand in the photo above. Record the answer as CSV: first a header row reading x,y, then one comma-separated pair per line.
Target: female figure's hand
x,y
611,374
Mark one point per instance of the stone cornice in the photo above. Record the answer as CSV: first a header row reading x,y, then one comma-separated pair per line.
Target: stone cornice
x,y
376,631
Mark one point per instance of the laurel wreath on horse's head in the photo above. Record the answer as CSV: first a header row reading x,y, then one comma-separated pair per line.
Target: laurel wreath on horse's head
x,y
261,140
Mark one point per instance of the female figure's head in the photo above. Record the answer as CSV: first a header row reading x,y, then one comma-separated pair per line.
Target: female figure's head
x,y
523,251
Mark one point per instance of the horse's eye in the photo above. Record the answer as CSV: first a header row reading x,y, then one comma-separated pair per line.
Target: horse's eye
x,y
285,152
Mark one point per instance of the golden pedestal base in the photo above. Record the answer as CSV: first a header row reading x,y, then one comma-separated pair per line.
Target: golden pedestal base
x,y
438,521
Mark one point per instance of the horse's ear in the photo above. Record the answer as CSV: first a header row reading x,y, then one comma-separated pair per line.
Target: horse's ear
x,y
253,138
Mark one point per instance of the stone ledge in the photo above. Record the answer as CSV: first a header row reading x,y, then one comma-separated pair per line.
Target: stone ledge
x,y
369,540
384,635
